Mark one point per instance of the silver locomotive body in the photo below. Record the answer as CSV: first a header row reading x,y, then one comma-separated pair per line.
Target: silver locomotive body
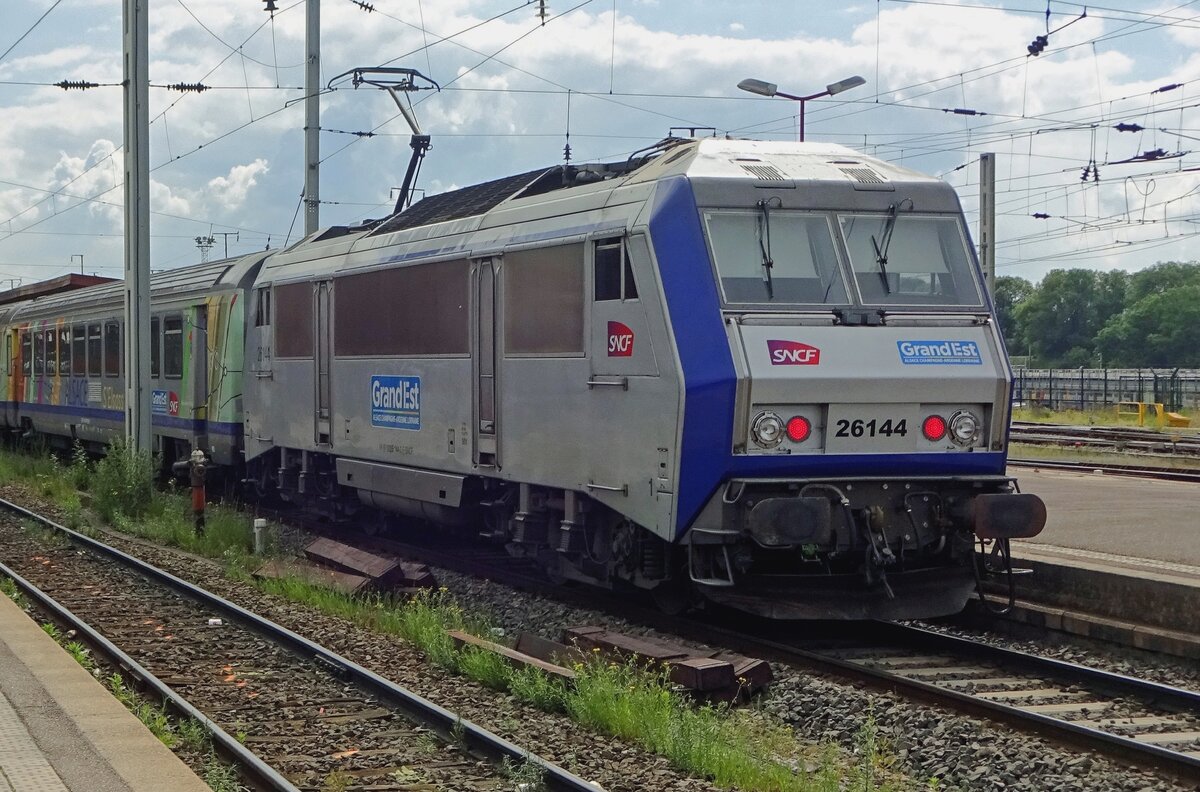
x,y
766,373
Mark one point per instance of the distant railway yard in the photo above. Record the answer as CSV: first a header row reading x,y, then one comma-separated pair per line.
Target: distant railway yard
x,y
967,704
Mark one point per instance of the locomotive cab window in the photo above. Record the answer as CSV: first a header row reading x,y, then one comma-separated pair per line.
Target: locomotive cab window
x,y
64,350
26,353
95,348
613,273
173,347
771,257
79,351
902,259
155,346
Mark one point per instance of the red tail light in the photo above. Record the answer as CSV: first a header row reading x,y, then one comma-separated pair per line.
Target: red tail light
x,y
798,429
934,427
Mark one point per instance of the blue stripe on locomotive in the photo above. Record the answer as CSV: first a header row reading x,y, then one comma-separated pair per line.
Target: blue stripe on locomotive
x,y
706,457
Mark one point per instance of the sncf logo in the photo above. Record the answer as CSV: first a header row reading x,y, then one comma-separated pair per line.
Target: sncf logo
x,y
793,353
620,340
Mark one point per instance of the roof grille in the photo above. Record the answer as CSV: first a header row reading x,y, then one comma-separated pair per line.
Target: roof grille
x,y
863,175
763,171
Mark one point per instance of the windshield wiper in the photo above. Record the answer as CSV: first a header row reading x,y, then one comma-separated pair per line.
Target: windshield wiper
x,y
764,246
881,248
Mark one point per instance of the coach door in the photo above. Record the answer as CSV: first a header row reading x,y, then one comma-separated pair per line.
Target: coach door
x,y
322,358
484,294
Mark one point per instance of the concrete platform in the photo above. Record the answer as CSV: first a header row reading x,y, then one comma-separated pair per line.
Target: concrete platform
x,y
62,731
1119,560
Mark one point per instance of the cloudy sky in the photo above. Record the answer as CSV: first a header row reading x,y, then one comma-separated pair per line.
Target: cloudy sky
x,y
228,162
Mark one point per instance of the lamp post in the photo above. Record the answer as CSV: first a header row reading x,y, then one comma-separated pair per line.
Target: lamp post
x,y
763,88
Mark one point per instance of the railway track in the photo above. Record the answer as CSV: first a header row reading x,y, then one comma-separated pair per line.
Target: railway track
x,y
1183,444
1139,471
288,711
1137,721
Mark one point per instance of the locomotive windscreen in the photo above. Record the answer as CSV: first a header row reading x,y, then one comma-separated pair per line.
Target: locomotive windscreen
x,y
775,257
910,260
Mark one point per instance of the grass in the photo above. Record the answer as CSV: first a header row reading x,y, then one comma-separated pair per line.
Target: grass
x,y
731,747
9,589
1050,453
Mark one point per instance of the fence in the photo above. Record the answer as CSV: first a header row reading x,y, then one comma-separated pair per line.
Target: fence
x,y
1090,389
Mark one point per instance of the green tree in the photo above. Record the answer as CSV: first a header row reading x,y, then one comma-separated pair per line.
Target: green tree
x,y
1067,310
1161,329
1011,291
1162,277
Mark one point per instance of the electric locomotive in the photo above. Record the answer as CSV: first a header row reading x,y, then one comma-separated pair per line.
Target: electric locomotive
x,y
763,374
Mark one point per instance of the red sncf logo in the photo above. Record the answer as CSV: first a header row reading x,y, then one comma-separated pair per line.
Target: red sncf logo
x,y
793,353
620,340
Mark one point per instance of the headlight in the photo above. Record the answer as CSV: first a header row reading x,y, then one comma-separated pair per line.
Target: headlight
x,y
964,428
767,430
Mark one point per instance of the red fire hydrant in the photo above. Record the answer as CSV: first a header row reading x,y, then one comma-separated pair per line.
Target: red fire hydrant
x,y
195,467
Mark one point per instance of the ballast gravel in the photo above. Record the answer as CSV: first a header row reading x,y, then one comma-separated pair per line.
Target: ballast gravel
x,y
961,753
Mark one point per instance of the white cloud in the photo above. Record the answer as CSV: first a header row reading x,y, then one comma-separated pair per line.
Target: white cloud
x,y
230,191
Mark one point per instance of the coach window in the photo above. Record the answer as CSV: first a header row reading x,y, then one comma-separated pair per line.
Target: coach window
x,y
64,350
51,353
112,349
95,345
173,347
79,350
416,310
155,350
26,353
39,353
543,301
614,275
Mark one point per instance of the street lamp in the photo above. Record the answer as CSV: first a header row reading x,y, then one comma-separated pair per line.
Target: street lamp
x,y
763,88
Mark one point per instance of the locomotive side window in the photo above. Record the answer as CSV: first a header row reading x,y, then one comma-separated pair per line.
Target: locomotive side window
x,y
112,349
155,346
293,306
26,353
771,257
64,350
613,273
79,351
543,301
173,347
95,346
417,310
262,307
902,259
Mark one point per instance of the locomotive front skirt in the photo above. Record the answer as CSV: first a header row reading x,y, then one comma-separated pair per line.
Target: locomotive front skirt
x,y
761,374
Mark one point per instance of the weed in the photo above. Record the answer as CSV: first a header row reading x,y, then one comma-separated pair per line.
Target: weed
x,y
80,468
8,588
157,721
82,655
487,668
52,630
407,776
459,732
528,775
543,691
220,777
193,735
337,781
123,482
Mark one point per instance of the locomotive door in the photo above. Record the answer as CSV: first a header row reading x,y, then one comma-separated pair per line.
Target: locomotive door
x,y
321,361
484,294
